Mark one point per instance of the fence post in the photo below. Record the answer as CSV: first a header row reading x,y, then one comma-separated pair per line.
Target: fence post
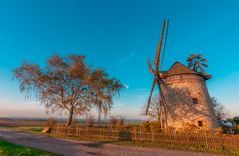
x,y
100,133
221,139
205,137
152,136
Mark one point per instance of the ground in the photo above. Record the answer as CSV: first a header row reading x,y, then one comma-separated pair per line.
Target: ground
x,y
9,149
83,148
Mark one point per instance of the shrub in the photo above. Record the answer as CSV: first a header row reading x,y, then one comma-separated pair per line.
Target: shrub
x,y
125,135
155,126
236,129
145,126
187,128
218,130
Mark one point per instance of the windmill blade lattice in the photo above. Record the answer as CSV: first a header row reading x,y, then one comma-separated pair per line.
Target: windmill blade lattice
x,y
157,79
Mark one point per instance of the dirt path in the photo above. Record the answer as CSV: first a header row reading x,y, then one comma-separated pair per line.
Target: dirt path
x,y
81,148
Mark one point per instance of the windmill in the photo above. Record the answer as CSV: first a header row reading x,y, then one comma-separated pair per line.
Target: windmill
x,y
156,72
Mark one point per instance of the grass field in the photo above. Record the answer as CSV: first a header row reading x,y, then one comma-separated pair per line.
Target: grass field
x,y
9,149
5,122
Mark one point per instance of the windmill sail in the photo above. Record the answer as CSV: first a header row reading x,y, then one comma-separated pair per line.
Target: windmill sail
x,y
159,47
157,80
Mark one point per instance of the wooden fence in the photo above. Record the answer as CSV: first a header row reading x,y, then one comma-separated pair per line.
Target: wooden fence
x,y
207,140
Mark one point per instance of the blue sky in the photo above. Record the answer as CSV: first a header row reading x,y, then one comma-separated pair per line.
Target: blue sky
x,y
119,36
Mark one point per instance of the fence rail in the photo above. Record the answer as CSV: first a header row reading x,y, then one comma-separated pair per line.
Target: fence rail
x,y
207,140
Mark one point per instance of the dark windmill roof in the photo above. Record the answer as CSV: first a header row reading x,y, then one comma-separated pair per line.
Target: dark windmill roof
x,y
178,68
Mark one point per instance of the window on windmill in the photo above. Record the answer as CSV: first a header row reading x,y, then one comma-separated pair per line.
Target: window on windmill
x,y
200,123
195,101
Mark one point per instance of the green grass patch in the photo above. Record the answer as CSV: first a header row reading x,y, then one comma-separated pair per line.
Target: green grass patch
x,y
25,129
31,129
9,149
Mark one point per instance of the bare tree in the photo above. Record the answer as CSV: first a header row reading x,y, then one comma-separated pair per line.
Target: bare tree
x,y
66,84
219,108
154,109
104,90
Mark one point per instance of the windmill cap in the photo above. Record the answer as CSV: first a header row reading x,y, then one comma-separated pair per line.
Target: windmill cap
x,y
178,68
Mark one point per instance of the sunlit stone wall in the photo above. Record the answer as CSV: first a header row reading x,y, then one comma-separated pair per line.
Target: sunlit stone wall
x,y
188,101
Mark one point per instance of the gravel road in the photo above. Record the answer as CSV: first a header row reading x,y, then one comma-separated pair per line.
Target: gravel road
x,y
82,148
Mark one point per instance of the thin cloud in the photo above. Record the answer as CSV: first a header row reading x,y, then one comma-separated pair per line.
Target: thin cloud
x,y
128,58
70,9
126,86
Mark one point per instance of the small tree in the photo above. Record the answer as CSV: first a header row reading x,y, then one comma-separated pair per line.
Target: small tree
x,y
66,84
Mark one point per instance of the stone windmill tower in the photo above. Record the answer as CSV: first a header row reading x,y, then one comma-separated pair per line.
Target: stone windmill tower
x,y
187,97
183,95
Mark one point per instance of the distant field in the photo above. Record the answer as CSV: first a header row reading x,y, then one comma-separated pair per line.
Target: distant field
x,y
9,149
20,122
5,122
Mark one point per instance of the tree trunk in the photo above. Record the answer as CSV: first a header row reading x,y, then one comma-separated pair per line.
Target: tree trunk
x,y
69,122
